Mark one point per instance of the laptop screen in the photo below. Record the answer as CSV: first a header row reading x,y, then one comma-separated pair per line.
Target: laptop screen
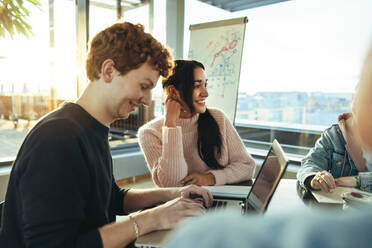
x,y
267,179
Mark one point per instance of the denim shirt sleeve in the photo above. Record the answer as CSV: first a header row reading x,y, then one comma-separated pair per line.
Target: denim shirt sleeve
x,y
317,159
366,181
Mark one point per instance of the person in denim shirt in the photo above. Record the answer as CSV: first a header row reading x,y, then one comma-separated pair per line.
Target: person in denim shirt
x,y
336,159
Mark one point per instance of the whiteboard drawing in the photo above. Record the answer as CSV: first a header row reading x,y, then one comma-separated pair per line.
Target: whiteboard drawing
x,y
220,50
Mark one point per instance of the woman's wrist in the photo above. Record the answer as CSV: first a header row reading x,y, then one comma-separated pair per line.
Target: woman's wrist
x,y
212,178
169,123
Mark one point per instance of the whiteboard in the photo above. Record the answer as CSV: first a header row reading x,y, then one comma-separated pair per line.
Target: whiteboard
x,y
219,46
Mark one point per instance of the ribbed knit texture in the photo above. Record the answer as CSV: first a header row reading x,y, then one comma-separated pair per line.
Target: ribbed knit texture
x,y
171,153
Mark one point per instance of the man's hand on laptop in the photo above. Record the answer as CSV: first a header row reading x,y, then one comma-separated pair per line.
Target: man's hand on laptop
x,y
172,212
194,192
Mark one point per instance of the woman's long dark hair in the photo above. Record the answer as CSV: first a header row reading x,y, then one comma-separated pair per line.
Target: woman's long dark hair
x,y
209,136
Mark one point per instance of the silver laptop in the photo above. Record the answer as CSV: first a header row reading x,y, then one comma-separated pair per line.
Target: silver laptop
x,y
257,197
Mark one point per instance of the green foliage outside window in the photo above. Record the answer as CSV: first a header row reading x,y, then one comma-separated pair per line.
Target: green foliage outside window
x,y
13,17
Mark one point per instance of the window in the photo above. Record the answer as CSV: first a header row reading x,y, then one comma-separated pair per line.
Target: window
x,y
301,62
40,73
102,13
37,73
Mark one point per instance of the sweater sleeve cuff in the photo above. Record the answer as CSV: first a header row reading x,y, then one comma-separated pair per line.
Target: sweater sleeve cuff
x,y
305,179
219,176
365,181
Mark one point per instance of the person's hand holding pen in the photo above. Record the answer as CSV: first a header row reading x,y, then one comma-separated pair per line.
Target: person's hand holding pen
x,y
324,181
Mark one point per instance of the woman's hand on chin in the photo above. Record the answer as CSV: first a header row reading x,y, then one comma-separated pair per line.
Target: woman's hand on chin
x,y
172,112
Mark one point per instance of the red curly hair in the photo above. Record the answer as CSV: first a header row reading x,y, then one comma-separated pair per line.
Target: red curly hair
x,y
129,47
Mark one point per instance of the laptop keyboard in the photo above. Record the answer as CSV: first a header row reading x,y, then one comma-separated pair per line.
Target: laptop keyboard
x,y
219,204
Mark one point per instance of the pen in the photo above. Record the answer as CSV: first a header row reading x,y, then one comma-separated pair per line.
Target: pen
x,y
330,172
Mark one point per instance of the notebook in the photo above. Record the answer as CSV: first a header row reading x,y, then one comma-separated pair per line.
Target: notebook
x,y
257,197
336,196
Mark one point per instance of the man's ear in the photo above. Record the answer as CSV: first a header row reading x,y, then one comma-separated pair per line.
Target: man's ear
x,y
107,70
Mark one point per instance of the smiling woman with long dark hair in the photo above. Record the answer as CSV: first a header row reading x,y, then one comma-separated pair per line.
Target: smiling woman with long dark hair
x,y
193,144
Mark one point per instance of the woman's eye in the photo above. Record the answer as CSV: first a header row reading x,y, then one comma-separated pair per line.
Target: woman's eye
x,y
144,87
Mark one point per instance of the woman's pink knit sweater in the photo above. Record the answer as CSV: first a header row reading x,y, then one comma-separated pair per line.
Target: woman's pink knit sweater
x,y
171,153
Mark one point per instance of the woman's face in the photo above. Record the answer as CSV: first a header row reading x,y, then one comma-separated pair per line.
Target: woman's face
x,y
200,92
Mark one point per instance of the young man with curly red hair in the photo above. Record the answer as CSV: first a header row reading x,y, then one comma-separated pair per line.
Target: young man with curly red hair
x,y
62,192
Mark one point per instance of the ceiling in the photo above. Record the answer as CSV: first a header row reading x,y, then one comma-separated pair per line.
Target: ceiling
x,y
112,4
236,5
229,5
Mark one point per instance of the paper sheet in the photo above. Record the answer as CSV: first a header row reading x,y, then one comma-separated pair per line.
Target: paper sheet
x,y
335,196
